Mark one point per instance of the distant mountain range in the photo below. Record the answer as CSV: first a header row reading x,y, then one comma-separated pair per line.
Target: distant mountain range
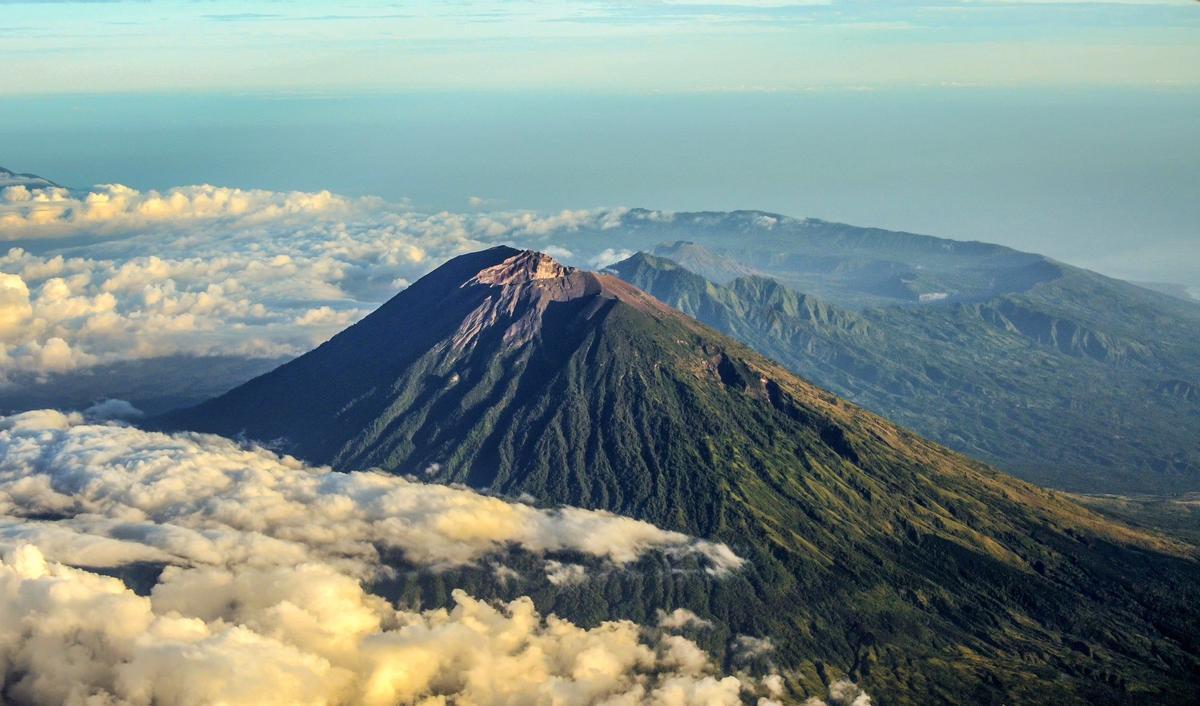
x,y
33,181
925,576
846,265
1078,381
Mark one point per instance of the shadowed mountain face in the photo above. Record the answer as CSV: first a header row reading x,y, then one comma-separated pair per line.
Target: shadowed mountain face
x,y
1080,382
870,552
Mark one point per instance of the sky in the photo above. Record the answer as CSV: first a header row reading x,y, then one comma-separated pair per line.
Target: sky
x,y
592,45
1066,128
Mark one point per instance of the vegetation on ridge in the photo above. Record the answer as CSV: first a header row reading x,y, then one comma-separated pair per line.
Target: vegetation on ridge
x,y
923,575
1042,383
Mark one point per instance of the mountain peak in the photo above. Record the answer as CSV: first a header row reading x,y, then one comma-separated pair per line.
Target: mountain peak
x,y
521,268
867,548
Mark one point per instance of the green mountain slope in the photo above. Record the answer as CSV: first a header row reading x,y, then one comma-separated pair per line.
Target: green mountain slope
x,y
1080,382
925,576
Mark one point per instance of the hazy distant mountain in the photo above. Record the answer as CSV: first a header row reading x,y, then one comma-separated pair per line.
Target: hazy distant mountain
x,y
33,181
1080,381
925,576
1179,291
847,265
704,262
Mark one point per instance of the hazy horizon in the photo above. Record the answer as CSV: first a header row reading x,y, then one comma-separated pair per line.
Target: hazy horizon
x,y
1098,177
1065,128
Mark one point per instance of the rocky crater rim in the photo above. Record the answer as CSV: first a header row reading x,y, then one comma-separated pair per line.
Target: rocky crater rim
x,y
524,267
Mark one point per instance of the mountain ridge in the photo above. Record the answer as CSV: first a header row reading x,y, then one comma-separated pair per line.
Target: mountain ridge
x,y
1035,382
925,576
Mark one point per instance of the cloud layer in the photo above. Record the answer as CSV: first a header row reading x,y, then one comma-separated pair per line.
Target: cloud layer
x,y
309,635
118,274
119,495
262,600
53,211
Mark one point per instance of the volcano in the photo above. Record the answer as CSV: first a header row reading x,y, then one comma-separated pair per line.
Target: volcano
x,y
871,552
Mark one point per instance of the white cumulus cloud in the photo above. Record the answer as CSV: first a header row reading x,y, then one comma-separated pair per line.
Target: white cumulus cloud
x,y
264,600
54,212
310,635
120,274
197,499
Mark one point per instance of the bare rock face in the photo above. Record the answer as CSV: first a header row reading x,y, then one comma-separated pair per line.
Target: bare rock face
x,y
519,289
522,268
524,284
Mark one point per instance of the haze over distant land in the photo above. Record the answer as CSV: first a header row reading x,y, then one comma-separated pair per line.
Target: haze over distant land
x,y
1065,128
1100,178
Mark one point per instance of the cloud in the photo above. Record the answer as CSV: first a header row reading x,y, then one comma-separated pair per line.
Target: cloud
x,y
842,693
262,599
118,274
483,202
748,648
309,635
561,574
193,499
54,212
113,409
15,307
681,618
609,256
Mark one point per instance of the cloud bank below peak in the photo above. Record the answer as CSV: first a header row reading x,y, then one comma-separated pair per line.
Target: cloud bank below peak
x,y
312,636
264,597
121,494
117,274
47,212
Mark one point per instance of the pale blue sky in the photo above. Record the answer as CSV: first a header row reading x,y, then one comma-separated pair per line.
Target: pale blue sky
x,y
665,45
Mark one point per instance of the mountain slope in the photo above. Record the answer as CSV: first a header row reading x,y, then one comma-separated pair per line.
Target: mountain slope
x,y
870,552
704,262
1080,382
